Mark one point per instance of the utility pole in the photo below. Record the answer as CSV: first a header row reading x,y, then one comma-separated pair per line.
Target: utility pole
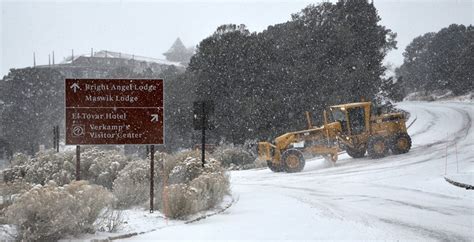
x,y
53,58
49,59
34,59
92,52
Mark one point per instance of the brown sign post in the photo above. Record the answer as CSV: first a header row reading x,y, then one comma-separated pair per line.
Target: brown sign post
x,y
114,112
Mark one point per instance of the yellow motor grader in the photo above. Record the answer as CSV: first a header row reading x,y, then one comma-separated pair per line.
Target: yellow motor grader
x,y
356,128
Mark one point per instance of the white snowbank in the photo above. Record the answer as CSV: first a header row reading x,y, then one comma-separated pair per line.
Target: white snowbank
x,y
439,95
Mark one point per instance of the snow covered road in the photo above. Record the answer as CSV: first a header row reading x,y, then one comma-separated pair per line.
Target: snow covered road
x,y
397,197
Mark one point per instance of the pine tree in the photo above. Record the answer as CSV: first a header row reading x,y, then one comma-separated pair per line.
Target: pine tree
x,y
262,83
34,103
440,61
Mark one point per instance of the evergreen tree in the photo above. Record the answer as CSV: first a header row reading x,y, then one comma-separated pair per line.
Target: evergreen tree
x,y
440,61
263,82
34,103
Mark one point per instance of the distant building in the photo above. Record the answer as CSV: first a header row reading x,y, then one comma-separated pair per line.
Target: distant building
x,y
179,53
99,64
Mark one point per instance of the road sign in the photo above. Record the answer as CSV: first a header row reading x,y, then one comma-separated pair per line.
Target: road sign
x,y
114,111
202,110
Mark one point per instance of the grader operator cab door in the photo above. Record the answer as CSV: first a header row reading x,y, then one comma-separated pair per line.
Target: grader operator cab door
x,y
357,119
353,120
356,127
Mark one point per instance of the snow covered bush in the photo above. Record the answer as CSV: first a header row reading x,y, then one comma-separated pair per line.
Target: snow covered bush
x,y
102,166
229,154
52,212
19,159
180,201
50,165
97,166
132,186
9,191
203,193
182,167
18,167
197,190
188,187
236,157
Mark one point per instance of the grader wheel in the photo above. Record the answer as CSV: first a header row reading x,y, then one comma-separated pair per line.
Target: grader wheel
x,y
400,144
377,147
356,153
293,161
273,167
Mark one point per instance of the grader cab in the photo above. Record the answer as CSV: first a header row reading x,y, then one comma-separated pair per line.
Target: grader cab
x,y
356,128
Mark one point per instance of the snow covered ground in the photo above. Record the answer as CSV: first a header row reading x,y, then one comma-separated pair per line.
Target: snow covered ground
x,y
397,197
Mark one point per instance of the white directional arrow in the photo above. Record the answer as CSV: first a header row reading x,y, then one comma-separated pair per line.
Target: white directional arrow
x,y
74,87
154,118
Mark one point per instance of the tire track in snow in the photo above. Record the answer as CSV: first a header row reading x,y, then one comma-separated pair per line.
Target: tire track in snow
x,y
436,234
429,125
331,210
323,195
414,191
467,124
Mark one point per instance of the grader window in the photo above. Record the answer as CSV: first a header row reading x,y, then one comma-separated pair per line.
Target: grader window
x,y
339,115
357,120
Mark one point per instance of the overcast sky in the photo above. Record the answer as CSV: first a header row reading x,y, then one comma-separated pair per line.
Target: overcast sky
x,y
148,28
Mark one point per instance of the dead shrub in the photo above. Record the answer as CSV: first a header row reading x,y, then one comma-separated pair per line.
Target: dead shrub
x,y
210,188
180,201
52,212
132,186
199,193
9,191
188,187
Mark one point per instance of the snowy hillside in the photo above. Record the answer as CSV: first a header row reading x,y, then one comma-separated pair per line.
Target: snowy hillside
x,y
397,197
